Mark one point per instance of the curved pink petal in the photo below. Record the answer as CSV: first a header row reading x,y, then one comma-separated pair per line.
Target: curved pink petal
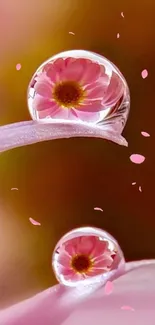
x,y
92,73
86,116
50,112
64,260
86,245
104,262
42,103
91,106
74,70
29,132
114,90
43,88
100,248
90,305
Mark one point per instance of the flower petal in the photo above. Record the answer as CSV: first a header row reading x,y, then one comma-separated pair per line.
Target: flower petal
x,y
87,116
43,88
114,90
92,73
74,70
85,306
42,103
64,260
91,106
86,244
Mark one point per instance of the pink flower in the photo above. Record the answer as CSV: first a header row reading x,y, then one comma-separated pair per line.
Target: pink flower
x,y
75,88
86,305
83,257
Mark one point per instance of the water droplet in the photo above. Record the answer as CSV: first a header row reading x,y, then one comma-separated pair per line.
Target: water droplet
x,y
137,159
79,86
86,255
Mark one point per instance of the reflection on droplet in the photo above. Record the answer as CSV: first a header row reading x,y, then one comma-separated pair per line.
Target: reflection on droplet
x,y
79,86
86,255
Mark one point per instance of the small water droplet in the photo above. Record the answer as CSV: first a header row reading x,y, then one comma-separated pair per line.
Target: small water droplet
x,y
79,257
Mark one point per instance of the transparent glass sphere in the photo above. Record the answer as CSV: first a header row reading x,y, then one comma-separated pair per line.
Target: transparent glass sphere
x,y
79,86
86,255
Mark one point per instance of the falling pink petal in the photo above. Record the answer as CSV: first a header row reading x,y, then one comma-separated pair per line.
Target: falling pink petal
x,y
137,159
34,222
14,189
134,183
98,209
108,288
122,14
118,35
144,74
145,134
127,308
18,66
71,33
140,189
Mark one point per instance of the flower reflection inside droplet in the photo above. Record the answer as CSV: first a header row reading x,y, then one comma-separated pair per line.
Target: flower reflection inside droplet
x,y
84,254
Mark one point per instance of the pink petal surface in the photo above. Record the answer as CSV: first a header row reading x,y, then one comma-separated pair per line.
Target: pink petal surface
x,y
145,134
18,66
127,308
28,132
34,222
137,159
98,209
108,288
90,305
144,74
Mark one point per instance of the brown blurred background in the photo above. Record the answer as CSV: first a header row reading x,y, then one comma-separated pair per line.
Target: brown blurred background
x,y
60,182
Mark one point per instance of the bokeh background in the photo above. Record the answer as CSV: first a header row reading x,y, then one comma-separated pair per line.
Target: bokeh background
x,y
60,182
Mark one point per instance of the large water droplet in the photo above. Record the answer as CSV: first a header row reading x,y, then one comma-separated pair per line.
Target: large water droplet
x,y
87,255
79,86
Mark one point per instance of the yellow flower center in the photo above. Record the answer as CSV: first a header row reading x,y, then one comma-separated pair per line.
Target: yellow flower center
x,y
68,94
81,263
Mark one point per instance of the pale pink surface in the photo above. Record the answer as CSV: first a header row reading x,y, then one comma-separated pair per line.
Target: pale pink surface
x,y
127,308
145,134
118,35
88,306
101,91
98,209
134,183
18,66
108,288
140,189
144,74
137,159
34,222
90,246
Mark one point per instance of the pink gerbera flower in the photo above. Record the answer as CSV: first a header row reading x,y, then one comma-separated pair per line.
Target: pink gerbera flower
x,y
83,257
75,88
